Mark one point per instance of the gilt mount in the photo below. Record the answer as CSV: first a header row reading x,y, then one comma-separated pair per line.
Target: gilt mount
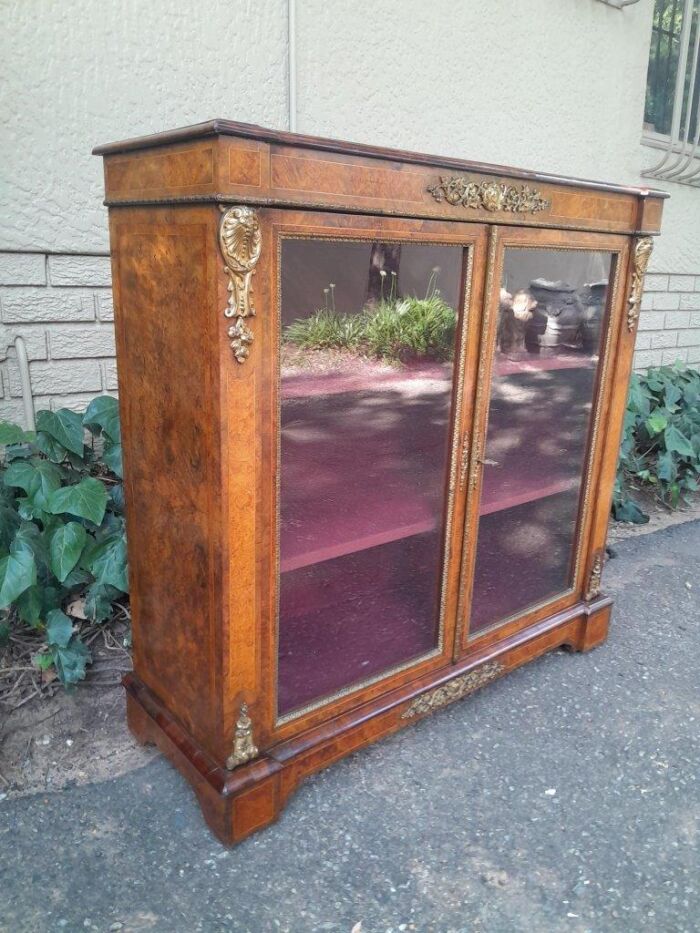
x,y
244,748
454,690
593,588
489,195
642,253
240,240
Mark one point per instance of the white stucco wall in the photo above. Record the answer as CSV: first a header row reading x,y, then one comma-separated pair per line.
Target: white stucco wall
x,y
555,85
82,72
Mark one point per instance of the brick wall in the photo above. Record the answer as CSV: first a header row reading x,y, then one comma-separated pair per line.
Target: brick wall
x,y
62,306
669,325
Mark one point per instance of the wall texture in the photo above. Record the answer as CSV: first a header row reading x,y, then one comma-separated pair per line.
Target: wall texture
x,y
556,85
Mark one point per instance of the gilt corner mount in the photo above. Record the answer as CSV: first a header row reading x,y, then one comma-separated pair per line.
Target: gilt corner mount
x,y
240,240
244,748
489,195
642,254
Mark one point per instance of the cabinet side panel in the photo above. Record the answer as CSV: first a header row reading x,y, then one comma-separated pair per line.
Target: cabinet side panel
x,y
164,293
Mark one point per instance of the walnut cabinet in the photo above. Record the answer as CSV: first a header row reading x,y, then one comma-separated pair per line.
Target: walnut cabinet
x,y
371,406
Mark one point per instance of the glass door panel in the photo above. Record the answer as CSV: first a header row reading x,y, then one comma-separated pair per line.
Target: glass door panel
x,y
367,354
543,383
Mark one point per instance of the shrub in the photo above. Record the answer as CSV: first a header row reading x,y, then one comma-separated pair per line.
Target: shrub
x,y
660,447
62,536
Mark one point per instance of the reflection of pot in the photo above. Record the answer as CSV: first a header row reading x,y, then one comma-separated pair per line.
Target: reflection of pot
x,y
558,316
593,299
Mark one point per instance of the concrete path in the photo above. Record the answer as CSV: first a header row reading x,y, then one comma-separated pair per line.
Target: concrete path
x,y
564,797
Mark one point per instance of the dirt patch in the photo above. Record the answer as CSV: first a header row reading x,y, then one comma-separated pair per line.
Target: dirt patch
x,y
67,739
50,738
659,518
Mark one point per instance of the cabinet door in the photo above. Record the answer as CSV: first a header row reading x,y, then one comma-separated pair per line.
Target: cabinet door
x,y
548,335
374,319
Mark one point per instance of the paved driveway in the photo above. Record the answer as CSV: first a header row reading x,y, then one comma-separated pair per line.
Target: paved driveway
x,y
563,797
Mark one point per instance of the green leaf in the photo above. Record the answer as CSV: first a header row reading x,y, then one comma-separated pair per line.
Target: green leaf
x,y
98,601
64,426
103,413
112,456
87,499
19,475
116,495
13,434
17,574
38,478
638,396
50,447
66,547
77,577
9,523
59,628
18,452
666,467
629,511
29,538
70,661
4,634
109,564
43,661
51,598
29,606
656,422
677,441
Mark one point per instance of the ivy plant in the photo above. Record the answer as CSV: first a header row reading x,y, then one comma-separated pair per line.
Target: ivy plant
x,y
62,535
661,440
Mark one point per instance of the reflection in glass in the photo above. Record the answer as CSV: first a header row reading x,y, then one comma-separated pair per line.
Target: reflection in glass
x,y
368,341
548,344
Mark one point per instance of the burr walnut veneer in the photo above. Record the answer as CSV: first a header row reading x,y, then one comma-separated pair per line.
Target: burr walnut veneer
x,y
371,405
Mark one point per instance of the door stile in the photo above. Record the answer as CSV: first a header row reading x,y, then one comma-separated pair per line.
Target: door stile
x,y
615,378
600,454
464,414
482,358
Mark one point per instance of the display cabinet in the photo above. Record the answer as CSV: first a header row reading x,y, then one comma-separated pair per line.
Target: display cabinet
x,y
371,405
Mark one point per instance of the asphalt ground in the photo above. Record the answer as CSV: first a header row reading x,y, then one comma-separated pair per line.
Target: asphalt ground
x,y
562,797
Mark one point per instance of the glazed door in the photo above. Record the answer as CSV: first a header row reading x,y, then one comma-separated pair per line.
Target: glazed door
x,y
374,395
548,331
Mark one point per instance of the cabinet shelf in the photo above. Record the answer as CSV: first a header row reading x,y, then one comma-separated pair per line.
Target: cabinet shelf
x,y
346,503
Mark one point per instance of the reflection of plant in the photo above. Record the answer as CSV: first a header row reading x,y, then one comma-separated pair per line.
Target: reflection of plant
x,y
661,442
324,330
392,330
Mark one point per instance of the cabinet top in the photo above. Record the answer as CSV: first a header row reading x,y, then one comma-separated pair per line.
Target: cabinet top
x,y
222,160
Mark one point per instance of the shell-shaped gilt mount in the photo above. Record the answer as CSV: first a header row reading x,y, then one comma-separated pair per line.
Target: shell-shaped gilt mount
x,y
240,240
489,195
454,690
244,748
642,254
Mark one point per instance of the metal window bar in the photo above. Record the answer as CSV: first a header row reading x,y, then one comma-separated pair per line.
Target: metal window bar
x,y
682,147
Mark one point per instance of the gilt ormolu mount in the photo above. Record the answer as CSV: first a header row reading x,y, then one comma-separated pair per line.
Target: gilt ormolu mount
x,y
360,530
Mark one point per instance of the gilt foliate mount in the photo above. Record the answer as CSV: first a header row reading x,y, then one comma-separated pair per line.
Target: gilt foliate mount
x,y
642,254
489,195
240,241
